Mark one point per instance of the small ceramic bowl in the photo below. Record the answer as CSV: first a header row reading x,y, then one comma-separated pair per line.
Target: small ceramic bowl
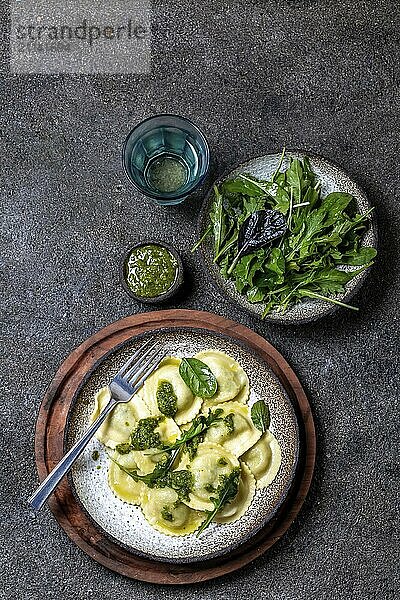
x,y
165,296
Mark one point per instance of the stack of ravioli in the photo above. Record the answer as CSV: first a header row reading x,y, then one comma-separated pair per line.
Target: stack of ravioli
x,y
232,443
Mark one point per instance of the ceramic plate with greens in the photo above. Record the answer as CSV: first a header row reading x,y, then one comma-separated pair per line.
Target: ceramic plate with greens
x,y
199,461
288,237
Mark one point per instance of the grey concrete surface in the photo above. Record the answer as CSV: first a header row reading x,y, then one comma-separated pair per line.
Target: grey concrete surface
x,y
319,75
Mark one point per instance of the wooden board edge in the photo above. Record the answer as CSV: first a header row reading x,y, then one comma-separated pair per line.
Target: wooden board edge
x,y
154,571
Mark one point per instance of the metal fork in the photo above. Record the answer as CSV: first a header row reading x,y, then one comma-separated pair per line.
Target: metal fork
x,y
124,385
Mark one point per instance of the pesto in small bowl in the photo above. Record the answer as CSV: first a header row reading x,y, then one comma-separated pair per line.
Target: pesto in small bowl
x,y
152,272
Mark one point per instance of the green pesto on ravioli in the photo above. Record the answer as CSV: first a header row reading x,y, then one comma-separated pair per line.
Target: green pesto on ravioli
x,y
236,431
186,406
143,435
118,426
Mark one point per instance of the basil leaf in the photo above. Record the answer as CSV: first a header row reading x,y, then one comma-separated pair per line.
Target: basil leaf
x,y
198,377
260,415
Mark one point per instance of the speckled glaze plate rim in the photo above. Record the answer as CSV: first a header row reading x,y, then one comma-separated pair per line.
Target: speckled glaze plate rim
x,y
49,448
287,488
227,288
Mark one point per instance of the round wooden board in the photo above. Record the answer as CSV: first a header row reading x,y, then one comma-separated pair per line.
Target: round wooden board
x,y
51,433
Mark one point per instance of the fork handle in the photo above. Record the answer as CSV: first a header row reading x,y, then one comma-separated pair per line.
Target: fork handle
x,y
54,477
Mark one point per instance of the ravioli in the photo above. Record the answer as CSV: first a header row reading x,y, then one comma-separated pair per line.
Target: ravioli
x,y
168,408
233,383
123,486
264,459
146,460
235,433
236,509
210,463
187,406
164,511
117,427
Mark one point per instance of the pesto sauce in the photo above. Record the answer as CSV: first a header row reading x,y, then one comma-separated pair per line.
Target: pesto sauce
x,y
180,481
210,488
166,514
143,436
124,448
229,424
167,401
150,271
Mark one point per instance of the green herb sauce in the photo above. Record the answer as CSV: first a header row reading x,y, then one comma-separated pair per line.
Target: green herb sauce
x,y
229,424
143,436
124,448
166,514
180,481
150,271
167,401
210,488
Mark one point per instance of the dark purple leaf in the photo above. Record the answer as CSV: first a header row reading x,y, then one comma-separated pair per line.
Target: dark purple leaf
x,y
262,227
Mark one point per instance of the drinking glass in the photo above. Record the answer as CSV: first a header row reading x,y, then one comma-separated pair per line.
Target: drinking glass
x,y
166,157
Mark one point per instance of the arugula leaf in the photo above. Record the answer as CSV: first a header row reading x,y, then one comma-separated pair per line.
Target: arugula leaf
x,y
197,429
359,257
312,197
282,200
334,204
294,177
255,294
276,264
252,205
242,272
311,294
188,442
160,470
203,237
322,233
260,415
330,281
217,219
226,492
244,184
198,377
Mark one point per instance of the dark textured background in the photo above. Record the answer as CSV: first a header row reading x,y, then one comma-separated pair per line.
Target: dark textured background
x,y
319,75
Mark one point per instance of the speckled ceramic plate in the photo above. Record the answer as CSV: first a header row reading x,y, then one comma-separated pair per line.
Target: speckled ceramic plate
x,y
115,534
125,523
333,178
